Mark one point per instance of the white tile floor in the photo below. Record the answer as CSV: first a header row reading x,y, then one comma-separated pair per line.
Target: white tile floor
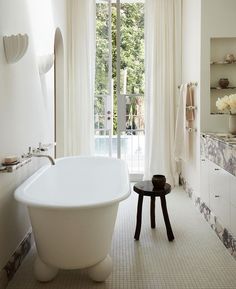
x,y
196,259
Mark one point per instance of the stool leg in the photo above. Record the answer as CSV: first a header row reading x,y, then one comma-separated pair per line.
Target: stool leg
x,y
152,212
139,218
166,218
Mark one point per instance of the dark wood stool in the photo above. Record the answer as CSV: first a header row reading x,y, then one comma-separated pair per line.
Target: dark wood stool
x,y
145,188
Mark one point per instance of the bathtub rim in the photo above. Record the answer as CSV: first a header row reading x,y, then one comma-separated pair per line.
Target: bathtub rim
x,y
18,194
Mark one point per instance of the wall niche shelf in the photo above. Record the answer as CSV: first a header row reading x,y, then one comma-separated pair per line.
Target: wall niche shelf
x,y
218,113
220,68
220,88
222,63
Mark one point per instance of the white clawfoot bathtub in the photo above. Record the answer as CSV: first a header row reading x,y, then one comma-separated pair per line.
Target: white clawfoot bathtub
x,y
73,207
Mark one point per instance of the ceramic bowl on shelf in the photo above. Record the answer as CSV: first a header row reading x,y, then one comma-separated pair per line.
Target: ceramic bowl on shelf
x,y
223,82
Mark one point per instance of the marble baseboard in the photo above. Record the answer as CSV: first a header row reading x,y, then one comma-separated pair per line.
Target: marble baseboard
x,y
7,273
224,234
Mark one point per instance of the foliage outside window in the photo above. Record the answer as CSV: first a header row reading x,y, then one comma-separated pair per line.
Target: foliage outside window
x,y
132,63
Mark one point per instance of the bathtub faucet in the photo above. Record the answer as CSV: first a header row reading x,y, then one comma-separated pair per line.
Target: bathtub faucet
x,y
44,156
36,153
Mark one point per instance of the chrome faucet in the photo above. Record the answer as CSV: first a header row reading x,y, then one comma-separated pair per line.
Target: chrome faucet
x,y
36,153
43,156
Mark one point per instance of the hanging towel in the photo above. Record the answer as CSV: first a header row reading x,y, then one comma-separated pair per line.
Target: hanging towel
x,y
190,102
181,144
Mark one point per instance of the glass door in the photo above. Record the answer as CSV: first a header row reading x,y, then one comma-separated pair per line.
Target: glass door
x,y
103,101
119,105
130,84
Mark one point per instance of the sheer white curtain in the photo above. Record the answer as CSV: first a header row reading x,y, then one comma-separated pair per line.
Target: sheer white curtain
x,y
163,56
81,71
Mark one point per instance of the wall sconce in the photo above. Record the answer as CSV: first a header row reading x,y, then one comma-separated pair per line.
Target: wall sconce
x,y
45,63
15,47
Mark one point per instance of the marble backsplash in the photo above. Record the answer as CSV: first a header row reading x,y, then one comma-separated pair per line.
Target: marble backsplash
x,y
219,151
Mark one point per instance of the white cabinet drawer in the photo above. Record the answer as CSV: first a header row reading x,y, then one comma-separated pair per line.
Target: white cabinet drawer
x,y
232,190
224,213
218,191
232,227
221,209
220,180
204,181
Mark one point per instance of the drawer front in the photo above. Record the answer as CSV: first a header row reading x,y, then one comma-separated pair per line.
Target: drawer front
x,y
224,213
232,227
232,189
204,182
221,209
220,183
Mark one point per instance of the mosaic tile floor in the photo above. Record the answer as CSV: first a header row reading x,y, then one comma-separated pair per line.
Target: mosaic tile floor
x,y
196,258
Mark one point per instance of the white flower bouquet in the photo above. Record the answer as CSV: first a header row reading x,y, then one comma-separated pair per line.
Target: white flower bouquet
x,y
227,103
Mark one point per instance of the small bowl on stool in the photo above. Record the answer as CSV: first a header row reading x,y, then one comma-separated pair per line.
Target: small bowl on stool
x,y
158,181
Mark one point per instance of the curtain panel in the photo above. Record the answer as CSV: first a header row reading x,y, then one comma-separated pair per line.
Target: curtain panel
x,y
81,73
163,73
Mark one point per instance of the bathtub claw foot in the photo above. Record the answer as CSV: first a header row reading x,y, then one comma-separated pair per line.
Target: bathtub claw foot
x,y
101,271
44,272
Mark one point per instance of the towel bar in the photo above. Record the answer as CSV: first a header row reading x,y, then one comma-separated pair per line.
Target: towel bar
x,y
191,107
190,84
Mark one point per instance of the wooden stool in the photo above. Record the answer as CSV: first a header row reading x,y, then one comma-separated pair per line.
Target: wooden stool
x,y
145,188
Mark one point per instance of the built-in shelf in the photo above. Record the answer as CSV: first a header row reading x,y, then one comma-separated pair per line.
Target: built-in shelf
x,y
222,63
219,88
14,167
223,49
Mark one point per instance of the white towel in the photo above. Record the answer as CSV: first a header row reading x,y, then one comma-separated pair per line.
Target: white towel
x,y
181,145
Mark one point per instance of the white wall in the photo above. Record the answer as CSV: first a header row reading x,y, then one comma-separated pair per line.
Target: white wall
x,y
191,71
26,104
218,20
202,20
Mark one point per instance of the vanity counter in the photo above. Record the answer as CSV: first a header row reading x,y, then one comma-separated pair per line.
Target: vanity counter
x,y
220,149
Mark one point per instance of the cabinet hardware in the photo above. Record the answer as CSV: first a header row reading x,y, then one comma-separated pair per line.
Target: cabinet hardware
x,y
217,196
216,169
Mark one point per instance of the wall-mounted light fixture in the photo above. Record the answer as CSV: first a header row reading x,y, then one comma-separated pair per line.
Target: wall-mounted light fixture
x,y
15,47
45,63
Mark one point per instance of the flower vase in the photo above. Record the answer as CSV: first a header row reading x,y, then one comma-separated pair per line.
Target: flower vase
x,y
232,124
